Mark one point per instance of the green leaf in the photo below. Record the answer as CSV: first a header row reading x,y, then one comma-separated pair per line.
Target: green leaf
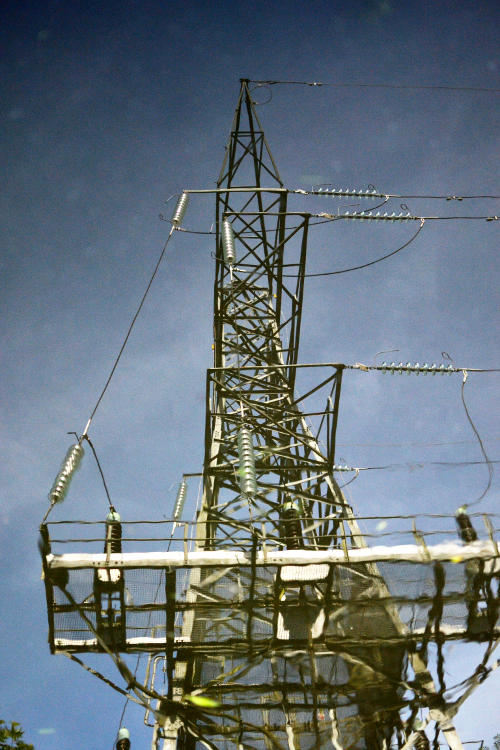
x,y
10,737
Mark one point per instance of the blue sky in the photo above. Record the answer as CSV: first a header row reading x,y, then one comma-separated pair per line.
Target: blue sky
x,y
110,108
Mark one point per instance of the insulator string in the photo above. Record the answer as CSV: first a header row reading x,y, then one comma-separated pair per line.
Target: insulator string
x,y
61,484
356,193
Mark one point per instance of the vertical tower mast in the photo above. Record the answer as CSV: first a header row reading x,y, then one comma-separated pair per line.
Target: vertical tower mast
x,y
266,478
257,316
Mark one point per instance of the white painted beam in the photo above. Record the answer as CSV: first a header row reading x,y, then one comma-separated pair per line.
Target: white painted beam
x,y
447,551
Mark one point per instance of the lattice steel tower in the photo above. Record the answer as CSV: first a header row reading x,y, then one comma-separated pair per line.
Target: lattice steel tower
x,y
290,634
269,480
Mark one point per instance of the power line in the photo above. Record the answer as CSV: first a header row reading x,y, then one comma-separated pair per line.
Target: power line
x,y
481,446
414,465
403,87
108,496
363,265
369,216
409,445
361,215
129,331
340,193
408,368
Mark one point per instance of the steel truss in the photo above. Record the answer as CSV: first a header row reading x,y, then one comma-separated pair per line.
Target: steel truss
x,y
299,634
257,316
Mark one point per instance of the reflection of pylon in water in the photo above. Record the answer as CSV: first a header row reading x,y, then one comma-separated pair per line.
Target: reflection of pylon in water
x,y
257,326
290,631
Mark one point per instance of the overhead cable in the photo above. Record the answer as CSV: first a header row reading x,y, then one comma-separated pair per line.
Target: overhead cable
x,y
406,87
362,265
372,193
370,216
417,465
108,496
430,369
481,446
363,216
408,445
360,215
129,331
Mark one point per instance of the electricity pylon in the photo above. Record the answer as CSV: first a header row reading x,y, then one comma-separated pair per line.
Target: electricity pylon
x,y
267,478
292,633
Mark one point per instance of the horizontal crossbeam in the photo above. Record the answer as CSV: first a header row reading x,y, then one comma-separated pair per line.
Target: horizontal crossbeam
x,y
447,551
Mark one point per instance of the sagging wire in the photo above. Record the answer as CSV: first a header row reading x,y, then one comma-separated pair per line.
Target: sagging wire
x,y
384,351
363,265
86,437
270,94
488,462
356,475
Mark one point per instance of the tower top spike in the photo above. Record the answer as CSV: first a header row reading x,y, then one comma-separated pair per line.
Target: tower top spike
x,y
248,159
